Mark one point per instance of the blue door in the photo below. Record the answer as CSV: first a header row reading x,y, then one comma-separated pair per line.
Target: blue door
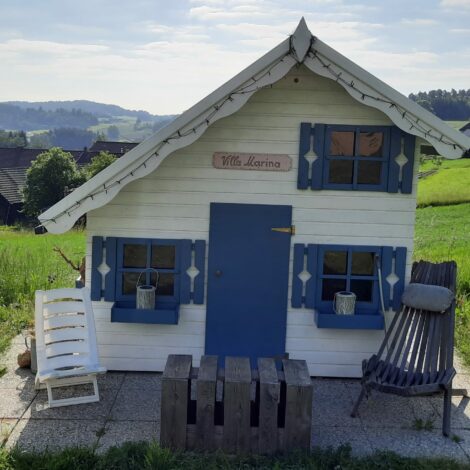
x,y
248,272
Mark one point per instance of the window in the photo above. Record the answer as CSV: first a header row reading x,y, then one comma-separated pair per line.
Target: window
x,y
139,260
356,158
348,268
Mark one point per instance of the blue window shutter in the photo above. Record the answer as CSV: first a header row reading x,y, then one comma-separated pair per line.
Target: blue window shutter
x,y
386,268
319,148
110,278
96,260
393,166
304,148
199,263
407,170
298,266
185,264
312,268
400,268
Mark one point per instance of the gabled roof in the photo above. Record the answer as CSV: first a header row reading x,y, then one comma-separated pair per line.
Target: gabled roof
x,y
12,181
301,47
116,148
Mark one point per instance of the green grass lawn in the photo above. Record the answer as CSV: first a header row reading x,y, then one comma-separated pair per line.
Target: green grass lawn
x,y
28,263
449,185
146,456
442,234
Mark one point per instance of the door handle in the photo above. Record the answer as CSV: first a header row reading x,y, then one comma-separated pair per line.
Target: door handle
x,y
290,229
218,273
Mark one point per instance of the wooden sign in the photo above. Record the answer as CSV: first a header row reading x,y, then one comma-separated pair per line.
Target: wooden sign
x,y
251,161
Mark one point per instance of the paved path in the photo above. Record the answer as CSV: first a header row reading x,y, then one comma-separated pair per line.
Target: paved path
x,y
129,410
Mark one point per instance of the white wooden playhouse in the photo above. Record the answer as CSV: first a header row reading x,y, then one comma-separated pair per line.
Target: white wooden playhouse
x,y
293,181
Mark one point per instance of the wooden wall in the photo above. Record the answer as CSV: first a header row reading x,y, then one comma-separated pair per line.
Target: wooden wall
x,y
173,202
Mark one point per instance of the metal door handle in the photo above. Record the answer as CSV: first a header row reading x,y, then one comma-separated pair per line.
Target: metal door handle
x,y
218,273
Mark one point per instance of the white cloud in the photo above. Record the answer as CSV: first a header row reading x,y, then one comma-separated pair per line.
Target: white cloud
x,y
460,31
209,13
455,3
49,47
419,21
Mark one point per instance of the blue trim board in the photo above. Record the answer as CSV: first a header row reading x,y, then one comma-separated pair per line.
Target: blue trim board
x,y
311,285
304,147
407,170
166,314
393,166
199,264
297,285
400,269
185,263
110,278
96,260
350,322
319,147
386,265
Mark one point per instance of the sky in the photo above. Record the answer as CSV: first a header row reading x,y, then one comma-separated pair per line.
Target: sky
x,y
164,56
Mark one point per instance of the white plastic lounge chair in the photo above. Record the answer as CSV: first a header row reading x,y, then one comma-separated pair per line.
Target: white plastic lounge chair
x,y
66,343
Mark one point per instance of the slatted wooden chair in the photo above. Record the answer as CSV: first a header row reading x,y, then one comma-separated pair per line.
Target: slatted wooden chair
x,y
66,343
416,356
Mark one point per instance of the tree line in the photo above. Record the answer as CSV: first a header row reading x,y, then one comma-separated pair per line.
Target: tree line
x,y
453,105
68,138
15,117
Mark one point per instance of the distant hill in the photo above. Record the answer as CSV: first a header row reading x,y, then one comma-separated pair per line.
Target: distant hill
x,y
14,117
100,110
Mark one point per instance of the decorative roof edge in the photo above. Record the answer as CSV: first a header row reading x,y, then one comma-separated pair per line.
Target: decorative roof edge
x,y
301,47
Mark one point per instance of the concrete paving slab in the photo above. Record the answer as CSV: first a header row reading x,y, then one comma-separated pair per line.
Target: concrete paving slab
x,y
118,432
462,381
17,378
462,437
42,434
111,380
411,443
384,410
88,411
152,380
329,436
460,414
332,404
6,427
14,402
133,404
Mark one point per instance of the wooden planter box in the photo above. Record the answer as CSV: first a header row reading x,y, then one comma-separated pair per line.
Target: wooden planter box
x,y
237,409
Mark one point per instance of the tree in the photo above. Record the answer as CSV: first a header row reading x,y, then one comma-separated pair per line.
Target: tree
x,y
100,136
113,132
13,139
51,176
98,163
71,138
40,141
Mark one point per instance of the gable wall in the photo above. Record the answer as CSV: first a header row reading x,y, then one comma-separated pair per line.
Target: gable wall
x,y
173,202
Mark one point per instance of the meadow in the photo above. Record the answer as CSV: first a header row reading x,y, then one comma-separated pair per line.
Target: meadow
x,y
28,263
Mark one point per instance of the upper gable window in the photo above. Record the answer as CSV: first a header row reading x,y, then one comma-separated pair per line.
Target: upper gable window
x,y
356,158
363,158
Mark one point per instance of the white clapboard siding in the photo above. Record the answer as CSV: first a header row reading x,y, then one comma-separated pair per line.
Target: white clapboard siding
x,y
173,202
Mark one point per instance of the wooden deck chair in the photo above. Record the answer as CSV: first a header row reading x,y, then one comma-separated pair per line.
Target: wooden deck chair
x,y
66,343
416,356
